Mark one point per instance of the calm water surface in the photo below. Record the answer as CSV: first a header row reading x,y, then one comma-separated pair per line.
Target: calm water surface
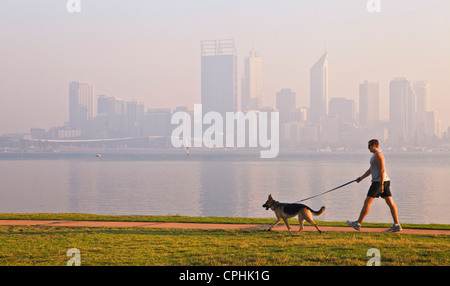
x,y
220,184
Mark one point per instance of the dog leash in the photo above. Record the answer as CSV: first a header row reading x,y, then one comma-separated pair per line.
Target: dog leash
x,y
327,191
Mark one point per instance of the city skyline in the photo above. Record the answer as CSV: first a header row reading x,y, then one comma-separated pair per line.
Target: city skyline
x,y
330,122
408,103
149,51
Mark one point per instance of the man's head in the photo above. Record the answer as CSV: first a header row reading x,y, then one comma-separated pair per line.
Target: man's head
x,y
373,145
374,142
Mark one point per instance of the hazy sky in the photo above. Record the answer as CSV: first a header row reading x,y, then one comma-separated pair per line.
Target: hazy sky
x,y
149,50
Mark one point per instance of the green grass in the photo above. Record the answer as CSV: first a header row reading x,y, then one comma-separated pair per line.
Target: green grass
x,y
45,245
99,246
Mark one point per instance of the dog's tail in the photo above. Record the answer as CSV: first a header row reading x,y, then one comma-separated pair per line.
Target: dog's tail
x,y
318,213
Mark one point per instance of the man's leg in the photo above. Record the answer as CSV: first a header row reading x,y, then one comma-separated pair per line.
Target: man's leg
x,y
393,208
365,209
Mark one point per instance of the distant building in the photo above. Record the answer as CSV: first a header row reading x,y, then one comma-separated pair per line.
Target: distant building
x,y
218,76
252,89
331,130
135,117
342,108
110,105
369,103
401,111
157,122
422,92
111,117
431,124
38,133
81,104
295,133
319,89
286,105
65,132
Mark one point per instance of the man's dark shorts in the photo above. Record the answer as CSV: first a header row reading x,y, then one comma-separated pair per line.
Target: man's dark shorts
x,y
374,190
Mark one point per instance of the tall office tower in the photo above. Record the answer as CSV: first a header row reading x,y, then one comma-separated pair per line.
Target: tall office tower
x,y
111,115
219,76
319,89
81,104
431,124
422,92
369,102
252,95
135,117
286,103
401,110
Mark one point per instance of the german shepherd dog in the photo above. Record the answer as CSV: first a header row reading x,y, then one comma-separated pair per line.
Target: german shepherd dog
x,y
283,211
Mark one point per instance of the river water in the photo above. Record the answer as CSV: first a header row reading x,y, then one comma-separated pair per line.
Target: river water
x,y
220,184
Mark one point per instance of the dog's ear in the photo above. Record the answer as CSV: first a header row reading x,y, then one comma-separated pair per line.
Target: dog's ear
x,y
270,197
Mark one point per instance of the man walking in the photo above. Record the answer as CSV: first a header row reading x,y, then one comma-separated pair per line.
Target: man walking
x,y
379,187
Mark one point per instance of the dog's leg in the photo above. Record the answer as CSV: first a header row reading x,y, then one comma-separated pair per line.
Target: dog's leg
x,y
300,221
274,224
315,224
309,219
287,225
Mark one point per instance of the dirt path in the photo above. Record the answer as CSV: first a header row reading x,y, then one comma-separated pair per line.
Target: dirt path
x,y
203,226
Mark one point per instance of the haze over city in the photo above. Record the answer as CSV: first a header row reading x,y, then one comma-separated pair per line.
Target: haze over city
x,y
150,51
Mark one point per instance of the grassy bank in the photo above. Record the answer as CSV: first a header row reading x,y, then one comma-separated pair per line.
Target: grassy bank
x,y
48,245
31,245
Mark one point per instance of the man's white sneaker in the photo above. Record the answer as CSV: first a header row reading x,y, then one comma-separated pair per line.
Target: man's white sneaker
x,y
394,228
355,225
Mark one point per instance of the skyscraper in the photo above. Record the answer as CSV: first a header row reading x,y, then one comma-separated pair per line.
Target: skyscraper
x,y
369,102
431,124
422,91
219,76
81,104
286,103
319,89
135,117
401,110
252,83
111,116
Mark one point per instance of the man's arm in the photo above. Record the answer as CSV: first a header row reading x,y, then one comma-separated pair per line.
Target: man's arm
x,y
366,174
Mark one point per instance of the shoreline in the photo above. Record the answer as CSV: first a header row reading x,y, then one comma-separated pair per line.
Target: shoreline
x,y
208,226
79,219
